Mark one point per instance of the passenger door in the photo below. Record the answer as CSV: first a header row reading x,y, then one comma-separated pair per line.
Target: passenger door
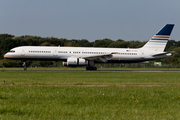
x,y
22,52
55,53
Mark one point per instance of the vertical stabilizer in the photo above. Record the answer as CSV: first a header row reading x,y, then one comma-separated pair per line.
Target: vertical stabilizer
x,y
158,42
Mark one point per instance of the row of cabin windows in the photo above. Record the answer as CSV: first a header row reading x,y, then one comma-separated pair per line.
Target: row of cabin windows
x,y
62,52
93,53
40,51
96,53
79,52
127,53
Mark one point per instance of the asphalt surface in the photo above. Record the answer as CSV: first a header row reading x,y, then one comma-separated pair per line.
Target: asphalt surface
x,y
108,70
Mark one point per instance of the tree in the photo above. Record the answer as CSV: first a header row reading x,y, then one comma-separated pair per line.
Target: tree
x,y
102,43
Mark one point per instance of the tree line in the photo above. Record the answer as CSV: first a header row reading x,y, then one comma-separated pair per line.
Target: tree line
x,y
8,41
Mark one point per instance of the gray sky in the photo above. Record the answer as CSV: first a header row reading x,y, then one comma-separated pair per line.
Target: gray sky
x,y
89,19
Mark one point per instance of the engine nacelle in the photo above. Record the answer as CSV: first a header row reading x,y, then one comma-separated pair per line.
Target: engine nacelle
x,y
74,62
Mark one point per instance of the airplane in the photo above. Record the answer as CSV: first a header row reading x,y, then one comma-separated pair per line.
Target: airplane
x,y
88,56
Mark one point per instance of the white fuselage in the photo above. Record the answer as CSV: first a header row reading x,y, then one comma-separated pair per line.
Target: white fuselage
x,y
79,56
120,55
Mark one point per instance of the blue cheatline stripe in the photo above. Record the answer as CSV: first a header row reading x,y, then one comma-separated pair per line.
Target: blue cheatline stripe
x,y
153,41
166,30
158,39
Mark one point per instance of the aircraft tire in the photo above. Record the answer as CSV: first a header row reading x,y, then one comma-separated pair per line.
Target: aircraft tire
x,y
95,68
87,68
91,68
25,68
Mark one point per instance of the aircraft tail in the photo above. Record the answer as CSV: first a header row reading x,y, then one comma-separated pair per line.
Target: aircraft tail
x,y
158,42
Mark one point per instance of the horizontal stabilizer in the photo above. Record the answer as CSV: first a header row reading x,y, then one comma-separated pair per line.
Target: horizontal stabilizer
x,y
163,53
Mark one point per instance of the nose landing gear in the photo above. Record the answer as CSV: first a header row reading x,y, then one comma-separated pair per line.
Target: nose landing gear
x,y
25,67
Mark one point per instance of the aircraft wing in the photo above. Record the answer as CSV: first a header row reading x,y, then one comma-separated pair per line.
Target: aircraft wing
x,y
100,58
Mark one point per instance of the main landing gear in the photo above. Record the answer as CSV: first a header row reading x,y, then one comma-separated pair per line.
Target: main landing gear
x,y
91,68
25,67
91,65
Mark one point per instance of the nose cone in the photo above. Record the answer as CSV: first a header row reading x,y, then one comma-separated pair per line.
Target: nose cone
x,y
6,55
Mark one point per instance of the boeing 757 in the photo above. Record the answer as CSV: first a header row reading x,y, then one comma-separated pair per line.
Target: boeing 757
x,y
88,56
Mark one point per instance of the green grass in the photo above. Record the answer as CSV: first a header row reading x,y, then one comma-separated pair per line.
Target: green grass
x,y
78,103
36,95
88,77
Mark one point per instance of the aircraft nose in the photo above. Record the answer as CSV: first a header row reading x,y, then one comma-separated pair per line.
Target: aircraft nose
x,y
5,55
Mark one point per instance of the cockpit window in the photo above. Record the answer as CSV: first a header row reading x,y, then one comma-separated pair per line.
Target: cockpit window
x,y
12,51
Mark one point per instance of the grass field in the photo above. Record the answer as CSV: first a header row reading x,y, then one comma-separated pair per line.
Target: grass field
x,y
88,77
41,95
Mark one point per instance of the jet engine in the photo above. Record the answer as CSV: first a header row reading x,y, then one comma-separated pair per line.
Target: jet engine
x,y
74,62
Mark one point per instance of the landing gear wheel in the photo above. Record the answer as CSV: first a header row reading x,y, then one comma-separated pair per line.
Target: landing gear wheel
x,y
91,68
25,68
24,64
95,68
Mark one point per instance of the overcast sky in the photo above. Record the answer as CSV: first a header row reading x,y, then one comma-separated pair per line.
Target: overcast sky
x,y
89,19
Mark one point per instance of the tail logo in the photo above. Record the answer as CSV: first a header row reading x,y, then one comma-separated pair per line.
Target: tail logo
x,y
164,33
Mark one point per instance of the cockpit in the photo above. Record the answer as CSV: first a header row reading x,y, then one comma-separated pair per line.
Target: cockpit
x,y
11,51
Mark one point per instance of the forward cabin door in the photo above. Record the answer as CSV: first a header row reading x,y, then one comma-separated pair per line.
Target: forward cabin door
x,y
22,52
55,53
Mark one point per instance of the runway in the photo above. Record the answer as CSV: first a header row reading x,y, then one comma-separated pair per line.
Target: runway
x,y
106,70
142,70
